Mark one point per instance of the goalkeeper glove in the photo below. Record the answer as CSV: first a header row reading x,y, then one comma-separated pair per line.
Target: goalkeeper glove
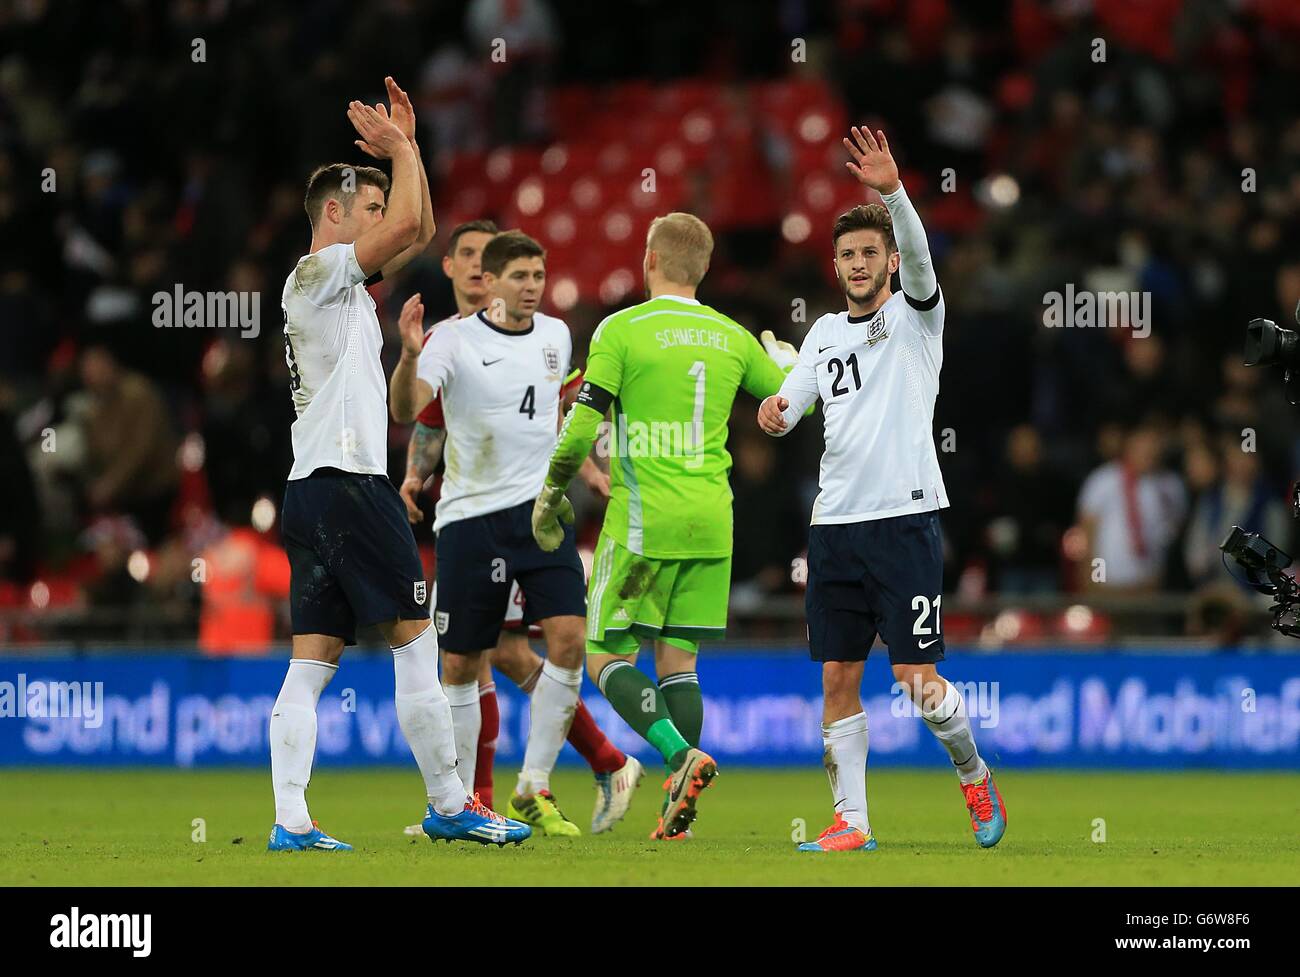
x,y
782,353
551,508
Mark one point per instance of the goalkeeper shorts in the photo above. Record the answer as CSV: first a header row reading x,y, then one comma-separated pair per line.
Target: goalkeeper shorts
x,y
638,597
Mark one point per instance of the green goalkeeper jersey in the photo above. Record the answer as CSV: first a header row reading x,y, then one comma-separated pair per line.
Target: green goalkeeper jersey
x,y
674,366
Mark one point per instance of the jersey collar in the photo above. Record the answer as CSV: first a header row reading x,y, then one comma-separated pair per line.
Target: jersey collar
x,y
678,298
856,319
482,317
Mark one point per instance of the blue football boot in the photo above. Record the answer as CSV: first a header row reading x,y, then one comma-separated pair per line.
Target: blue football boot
x,y
313,840
988,815
476,822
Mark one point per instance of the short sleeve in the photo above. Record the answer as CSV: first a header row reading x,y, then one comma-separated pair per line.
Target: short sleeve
x,y
431,416
606,358
437,363
325,277
927,315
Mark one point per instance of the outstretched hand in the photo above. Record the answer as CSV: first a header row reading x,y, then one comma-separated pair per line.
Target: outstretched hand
x,y
770,416
410,323
402,112
872,163
380,138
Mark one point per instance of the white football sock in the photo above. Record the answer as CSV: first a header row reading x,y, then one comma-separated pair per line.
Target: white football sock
x,y
554,701
949,722
293,740
425,717
467,721
845,743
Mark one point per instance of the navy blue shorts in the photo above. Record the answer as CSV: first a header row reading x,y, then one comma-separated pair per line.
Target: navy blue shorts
x,y
352,558
477,559
883,576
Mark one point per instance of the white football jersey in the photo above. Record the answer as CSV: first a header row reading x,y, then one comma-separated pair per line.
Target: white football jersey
x,y
501,400
878,377
454,317
332,344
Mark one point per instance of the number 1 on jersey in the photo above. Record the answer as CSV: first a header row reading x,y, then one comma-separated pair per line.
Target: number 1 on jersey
x,y
698,370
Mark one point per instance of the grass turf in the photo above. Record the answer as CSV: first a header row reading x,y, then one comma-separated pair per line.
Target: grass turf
x,y
118,827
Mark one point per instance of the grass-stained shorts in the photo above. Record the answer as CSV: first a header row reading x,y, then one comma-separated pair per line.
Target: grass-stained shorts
x,y
631,598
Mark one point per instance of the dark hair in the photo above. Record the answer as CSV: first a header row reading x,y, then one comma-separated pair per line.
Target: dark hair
x,y
505,248
327,181
470,227
865,217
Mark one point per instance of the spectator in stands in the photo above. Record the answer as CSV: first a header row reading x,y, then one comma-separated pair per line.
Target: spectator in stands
x,y
20,510
518,38
1130,510
1030,512
245,579
131,445
770,523
114,593
1129,177
1241,496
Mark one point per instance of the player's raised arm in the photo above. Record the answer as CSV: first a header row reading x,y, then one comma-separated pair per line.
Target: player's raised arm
x,y
410,389
779,413
399,225
873,165
402,115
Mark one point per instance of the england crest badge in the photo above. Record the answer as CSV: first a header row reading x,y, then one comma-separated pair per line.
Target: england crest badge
x,y
876,329
552,357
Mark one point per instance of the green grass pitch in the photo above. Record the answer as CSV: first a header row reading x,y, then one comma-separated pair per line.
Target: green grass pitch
x,y
81,827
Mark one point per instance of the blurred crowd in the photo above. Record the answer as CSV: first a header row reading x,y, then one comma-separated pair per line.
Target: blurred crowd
x,y
149,144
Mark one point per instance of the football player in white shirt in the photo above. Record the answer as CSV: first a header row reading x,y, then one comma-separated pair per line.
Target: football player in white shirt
x,y
474,705
353,560
875,558
500,373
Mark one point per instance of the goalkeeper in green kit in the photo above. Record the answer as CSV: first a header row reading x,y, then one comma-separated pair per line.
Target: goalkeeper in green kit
x,y
669,368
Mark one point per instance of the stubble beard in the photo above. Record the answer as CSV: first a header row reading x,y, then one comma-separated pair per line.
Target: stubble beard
x,y
873,288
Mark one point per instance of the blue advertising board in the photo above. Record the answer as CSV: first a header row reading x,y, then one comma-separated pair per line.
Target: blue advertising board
x,y
1068,709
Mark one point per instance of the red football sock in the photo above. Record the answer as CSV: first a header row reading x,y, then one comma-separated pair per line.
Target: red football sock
x,y
593,744
487,741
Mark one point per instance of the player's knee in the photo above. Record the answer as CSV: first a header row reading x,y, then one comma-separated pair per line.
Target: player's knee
x,y
459,669
402,631
674,657
566,644
841,682
839,677
569,654
514,657
600,654
921,682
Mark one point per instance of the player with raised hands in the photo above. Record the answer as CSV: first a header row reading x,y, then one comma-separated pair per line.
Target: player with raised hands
x,y
875,557
352,557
